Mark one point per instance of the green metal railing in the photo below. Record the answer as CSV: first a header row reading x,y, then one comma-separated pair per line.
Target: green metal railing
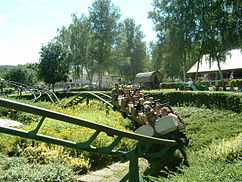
x,y
90,95
30,89
141,150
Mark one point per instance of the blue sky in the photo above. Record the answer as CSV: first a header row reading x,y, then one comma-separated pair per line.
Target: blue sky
x,y
26,25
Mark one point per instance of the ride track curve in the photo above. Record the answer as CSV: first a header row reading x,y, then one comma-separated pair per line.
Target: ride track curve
x,y
37,93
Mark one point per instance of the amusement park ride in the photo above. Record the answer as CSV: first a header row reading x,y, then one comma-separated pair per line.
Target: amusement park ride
x,y
144,144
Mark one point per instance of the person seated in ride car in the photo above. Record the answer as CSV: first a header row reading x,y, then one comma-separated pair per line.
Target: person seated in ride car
x,y
137,95
157,109
166,111
128,94
140,105
115,93
149,113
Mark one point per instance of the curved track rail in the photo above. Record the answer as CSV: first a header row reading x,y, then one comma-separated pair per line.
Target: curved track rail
x,y
29,89
90,95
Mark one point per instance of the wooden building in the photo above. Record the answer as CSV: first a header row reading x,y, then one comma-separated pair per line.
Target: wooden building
x,y
232,67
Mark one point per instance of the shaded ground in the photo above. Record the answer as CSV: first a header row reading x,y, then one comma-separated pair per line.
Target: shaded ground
x,y
112,173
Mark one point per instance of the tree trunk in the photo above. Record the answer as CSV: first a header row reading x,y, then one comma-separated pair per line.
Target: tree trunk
x,y
81,74
196,76
184,67
220,72
1,88
53,87
100,76
89,76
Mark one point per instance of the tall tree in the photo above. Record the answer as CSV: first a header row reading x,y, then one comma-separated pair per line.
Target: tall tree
x,y
77,38
132,50
54,65
219,28
174,25
211,26
104,18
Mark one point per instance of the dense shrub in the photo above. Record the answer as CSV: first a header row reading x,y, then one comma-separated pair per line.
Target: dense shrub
x,y
219,161
204,128
19,169
170,85
218,83
236,82
219,100
207,83
174,85
80,161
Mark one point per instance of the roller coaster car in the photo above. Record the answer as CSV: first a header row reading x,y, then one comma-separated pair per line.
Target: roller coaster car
x,y
159,155
169,127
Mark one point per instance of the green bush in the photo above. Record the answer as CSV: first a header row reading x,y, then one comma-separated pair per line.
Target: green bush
x,y
18,169
218,100
235,82
79,160
207,83
22,117
170,85
219,161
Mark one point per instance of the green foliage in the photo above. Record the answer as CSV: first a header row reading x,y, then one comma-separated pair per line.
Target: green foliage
x,y
22,117
53,65
175,34
131,50
99,43
218,83
204,126
219,161
103,19
22,74
78,160
236,82
219,100
169,85
19,169
4,69
189,29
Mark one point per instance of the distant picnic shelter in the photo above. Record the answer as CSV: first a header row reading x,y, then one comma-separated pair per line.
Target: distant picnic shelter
x,y
232,65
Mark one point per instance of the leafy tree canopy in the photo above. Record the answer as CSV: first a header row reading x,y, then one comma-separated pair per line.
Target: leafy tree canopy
x,y
22,74
54,65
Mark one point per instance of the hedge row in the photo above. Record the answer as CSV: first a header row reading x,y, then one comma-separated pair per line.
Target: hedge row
x,y
218,100
170,85
236,82
210,99
173,85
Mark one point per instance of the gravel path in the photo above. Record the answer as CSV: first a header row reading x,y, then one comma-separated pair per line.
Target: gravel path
x,y
7,122
112,173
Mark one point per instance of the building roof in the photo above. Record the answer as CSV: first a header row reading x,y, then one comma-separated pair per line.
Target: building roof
x,y
233,62
148,76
